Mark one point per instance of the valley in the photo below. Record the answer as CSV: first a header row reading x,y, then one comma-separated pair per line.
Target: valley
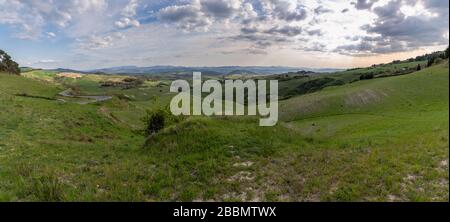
x,y
339,138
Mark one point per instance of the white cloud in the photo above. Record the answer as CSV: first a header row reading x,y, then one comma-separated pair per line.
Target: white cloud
x,y
258,29
47,61
95,42
130,9
31,17
51,35
126,23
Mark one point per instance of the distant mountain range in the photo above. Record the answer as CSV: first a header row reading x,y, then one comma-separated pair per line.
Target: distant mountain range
x,y
222,70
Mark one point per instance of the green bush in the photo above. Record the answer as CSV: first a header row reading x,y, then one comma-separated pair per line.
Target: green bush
x,y
366,76
155,122
158,119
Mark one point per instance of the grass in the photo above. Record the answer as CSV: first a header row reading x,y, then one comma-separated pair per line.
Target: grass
x,y
384,139
289,86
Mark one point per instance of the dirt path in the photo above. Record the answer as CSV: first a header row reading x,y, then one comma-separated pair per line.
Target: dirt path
x,y
92,99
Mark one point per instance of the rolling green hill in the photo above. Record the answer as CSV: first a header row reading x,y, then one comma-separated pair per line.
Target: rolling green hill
x,y
384,139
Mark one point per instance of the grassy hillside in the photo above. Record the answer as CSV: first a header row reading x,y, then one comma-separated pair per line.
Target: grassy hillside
x,y
392,132
294,84
384,139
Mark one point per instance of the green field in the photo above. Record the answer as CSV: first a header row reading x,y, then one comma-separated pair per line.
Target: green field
x,y
384,139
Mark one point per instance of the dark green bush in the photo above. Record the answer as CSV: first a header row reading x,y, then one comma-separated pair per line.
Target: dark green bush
x,y
366,76
155,122
158,119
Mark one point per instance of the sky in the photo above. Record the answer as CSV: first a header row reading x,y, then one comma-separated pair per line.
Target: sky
x,y
90,34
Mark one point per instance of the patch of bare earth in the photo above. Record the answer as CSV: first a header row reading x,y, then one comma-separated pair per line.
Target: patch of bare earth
x,y
443,164
105,112
70,75
301,106
393,198
364,97
245,178
243,164
443,183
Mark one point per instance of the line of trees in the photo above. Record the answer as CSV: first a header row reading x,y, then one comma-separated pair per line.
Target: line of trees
x,y
436,57
7,64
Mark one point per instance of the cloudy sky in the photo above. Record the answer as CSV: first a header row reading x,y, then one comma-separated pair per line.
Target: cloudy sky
x,y
87,34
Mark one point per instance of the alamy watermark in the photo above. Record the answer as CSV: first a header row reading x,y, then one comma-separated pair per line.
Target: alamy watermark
x,y
228,103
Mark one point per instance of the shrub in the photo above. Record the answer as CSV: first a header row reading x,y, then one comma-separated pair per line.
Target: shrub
x,y
158,119
366,76
7,64
155,122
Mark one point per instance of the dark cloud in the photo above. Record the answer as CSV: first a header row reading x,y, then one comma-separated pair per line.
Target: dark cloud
x,y
187,17
263,44
218,8
178,13
314,47
364,4
199,14
261,40
269,22
282,10
393,31
293,16
283,31
289,31
441,7
247,30
414,30
255,51
366,48
316,32
322,10
389,11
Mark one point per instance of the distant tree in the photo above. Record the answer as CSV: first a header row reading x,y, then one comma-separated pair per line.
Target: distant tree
x,y
431,61
366,76
446,54
7,64
418,67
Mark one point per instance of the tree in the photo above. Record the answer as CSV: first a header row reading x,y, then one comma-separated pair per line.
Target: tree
x,y
7,64
446,54
431,61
